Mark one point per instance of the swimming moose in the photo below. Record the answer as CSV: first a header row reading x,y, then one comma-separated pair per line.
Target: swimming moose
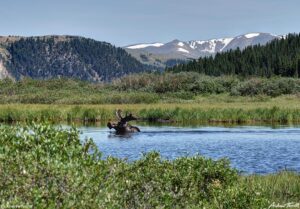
x,y
122,127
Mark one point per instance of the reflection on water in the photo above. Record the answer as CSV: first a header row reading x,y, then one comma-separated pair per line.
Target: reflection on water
x,y
251,149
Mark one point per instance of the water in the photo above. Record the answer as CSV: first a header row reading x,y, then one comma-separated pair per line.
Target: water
x,y
250,149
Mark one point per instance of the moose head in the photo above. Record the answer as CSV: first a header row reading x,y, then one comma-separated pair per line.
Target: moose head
x,y
122,126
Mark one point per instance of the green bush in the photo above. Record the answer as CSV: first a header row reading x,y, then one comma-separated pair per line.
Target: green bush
x,y
141,88
250,88
271,87
175,82
46,167
277,87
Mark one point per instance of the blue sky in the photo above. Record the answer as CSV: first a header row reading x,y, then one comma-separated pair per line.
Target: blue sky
x,y
123,22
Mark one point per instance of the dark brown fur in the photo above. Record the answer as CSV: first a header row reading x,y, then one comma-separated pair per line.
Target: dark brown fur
x,y
122,127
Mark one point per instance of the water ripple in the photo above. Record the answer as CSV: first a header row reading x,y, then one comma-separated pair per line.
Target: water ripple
x,y
251,149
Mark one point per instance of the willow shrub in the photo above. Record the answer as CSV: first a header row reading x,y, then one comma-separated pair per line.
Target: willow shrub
x,y
141,88
46,167
175,82
271,87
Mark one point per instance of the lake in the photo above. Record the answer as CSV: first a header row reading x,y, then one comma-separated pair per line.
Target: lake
x,y
250,149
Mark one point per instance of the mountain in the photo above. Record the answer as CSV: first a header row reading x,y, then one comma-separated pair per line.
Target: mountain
x,y
160,53
279,57
47,57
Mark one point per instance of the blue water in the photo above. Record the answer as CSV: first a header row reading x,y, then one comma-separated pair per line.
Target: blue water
x,y
250,149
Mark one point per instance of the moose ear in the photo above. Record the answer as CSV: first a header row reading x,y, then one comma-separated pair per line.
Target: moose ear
x,y
109,125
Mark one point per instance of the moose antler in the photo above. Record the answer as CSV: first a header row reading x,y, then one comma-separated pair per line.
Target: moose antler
x,y
129,117
118,114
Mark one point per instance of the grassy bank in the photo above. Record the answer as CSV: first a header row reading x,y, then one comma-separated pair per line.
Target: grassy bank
x,y
281,187
43,167
145,88
181,97
205,109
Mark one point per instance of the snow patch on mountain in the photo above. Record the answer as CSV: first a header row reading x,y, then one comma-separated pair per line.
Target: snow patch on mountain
x,y
283,36
193,44
183,50
141,46
212,46
226,41
251,35
180,44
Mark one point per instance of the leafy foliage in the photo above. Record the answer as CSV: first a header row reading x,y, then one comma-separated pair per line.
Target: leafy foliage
x,y
271,87
44,167
191,82
141,88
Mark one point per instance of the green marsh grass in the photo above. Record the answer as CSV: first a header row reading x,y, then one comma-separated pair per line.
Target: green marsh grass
x,y
282,109
282,187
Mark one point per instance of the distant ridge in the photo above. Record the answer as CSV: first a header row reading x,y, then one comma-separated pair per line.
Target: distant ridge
x,y
159,53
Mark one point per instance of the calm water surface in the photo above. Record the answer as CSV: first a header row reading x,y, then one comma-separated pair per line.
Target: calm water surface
x,y
251,149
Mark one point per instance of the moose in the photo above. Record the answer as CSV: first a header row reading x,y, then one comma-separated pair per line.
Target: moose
x,y
122,127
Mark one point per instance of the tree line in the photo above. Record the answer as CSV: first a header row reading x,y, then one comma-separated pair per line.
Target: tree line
x,y
279,57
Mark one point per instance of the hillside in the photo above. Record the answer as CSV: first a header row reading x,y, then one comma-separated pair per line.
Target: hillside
x,y
64,56
279,57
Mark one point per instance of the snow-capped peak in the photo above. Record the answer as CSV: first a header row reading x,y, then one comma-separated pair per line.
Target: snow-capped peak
x,y
141,46
199,48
